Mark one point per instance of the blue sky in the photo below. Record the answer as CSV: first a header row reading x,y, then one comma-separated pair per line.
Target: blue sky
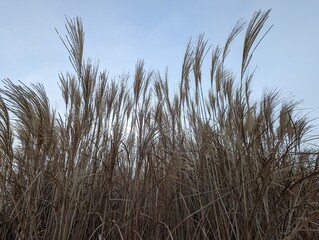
x,y
118,33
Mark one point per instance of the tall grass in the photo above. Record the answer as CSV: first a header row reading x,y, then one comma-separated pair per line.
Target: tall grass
x,y
137,163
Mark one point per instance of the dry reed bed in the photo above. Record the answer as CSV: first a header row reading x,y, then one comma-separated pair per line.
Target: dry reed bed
x,y
137,163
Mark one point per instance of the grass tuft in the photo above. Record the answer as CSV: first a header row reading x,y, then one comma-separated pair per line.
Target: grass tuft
x,y
134,162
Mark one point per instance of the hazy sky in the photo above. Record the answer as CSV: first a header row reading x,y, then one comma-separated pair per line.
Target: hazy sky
x,y
118,33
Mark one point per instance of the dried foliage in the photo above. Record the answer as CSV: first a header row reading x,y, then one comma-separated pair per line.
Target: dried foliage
x,y
141,164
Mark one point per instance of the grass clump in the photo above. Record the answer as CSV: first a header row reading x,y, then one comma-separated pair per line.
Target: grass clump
x,y
137,163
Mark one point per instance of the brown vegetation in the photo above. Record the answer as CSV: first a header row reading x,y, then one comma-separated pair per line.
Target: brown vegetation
x,y
141,164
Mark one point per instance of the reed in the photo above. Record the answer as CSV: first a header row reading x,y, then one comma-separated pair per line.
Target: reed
x,y
135,162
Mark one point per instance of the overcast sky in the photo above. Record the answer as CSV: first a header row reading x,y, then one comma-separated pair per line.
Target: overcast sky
x,y
118,33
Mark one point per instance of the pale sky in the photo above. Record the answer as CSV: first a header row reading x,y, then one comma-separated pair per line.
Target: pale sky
x,y
118,33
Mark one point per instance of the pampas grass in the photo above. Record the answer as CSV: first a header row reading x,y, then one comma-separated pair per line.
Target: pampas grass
x,y
142,164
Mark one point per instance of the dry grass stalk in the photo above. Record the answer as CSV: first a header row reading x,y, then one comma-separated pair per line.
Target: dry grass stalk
x,y
139,164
